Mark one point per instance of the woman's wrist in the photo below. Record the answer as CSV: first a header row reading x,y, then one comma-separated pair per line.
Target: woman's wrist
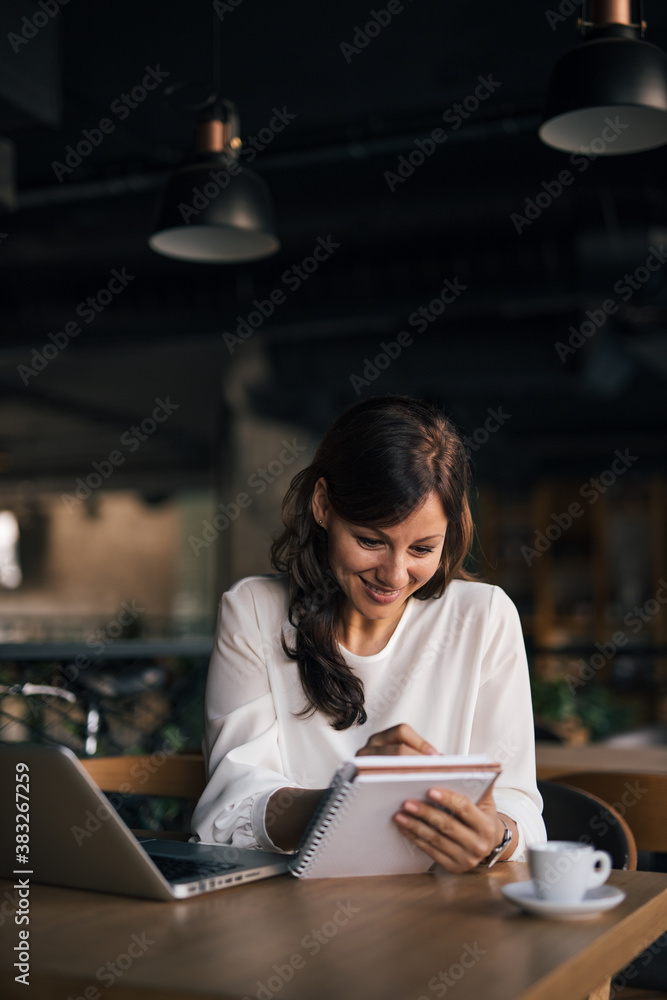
x,y
506,821
288,812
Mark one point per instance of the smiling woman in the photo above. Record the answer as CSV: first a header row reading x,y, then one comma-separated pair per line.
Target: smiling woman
x,y
372,639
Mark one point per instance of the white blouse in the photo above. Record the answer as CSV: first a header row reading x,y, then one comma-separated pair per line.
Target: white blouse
x,y
455,669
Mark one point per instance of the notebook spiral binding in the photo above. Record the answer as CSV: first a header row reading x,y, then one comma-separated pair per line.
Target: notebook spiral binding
x,y
332,806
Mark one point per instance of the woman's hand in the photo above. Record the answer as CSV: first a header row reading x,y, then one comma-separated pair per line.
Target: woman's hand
x,y
460,837
401,739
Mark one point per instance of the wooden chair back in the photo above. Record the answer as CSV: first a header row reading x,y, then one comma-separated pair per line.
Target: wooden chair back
x,y
640,798
573,814
179,775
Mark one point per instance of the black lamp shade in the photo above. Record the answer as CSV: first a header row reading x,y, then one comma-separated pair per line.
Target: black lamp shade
x,y
215,211
608,96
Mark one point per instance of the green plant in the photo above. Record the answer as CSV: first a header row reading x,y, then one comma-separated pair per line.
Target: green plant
x,y
553,700
602,712
594,706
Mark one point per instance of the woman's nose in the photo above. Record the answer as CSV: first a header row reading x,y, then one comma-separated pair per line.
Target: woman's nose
x,y
392,572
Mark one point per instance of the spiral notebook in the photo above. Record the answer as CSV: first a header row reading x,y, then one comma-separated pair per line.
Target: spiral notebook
x,y
352,831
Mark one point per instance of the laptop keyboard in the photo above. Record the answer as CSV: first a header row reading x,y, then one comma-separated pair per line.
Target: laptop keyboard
x,y
179,869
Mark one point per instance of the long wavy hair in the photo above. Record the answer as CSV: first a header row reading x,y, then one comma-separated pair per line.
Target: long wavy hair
x,y
381,459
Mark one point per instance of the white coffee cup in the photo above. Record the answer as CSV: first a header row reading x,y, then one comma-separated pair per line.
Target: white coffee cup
x,y
563,871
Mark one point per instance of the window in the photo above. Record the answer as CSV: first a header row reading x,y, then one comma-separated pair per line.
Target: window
x,y
10,570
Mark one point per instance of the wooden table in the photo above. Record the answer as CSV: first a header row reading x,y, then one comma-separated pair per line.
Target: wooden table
x,y
554,759
398,938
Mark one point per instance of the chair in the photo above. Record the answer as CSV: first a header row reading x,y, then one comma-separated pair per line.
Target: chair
x,y
642,799
177,775
181,775
572,814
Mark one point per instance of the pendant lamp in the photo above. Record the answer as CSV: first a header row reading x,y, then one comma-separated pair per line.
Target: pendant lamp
x,y
214,210
608,96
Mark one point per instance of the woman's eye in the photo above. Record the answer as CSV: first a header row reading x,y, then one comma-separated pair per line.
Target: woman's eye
x,y
422,550
371,542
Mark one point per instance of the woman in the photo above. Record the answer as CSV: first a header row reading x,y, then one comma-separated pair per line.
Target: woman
x,y
371,640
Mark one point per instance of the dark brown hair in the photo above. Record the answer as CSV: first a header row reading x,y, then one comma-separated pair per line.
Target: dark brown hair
x,y
380,460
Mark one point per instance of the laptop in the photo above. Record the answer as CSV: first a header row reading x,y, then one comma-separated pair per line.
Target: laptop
x,y
77,839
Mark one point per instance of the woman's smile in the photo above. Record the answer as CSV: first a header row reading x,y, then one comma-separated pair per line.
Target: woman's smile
x,y
380,594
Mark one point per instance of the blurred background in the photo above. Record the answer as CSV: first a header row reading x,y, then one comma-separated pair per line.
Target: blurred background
x,y
153,411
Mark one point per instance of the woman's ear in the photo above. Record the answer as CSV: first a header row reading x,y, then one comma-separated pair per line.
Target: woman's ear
x,y
320,503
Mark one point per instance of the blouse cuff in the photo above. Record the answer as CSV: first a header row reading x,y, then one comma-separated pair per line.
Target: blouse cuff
x,y
258,822
519,852
529,823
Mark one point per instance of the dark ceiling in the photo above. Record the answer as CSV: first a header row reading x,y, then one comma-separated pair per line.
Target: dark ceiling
x,y
456,217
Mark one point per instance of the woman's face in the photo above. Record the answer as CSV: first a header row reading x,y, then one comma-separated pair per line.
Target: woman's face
x,y
379,568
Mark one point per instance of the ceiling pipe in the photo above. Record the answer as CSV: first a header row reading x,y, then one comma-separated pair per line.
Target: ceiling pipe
x,y
348,149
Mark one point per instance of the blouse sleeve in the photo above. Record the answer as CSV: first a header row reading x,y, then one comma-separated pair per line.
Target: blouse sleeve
x,y
241,749
503,723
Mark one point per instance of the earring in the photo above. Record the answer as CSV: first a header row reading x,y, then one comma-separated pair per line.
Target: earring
x,y
320,521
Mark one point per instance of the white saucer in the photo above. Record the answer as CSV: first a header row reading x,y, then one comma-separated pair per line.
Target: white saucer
x,y
522,894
